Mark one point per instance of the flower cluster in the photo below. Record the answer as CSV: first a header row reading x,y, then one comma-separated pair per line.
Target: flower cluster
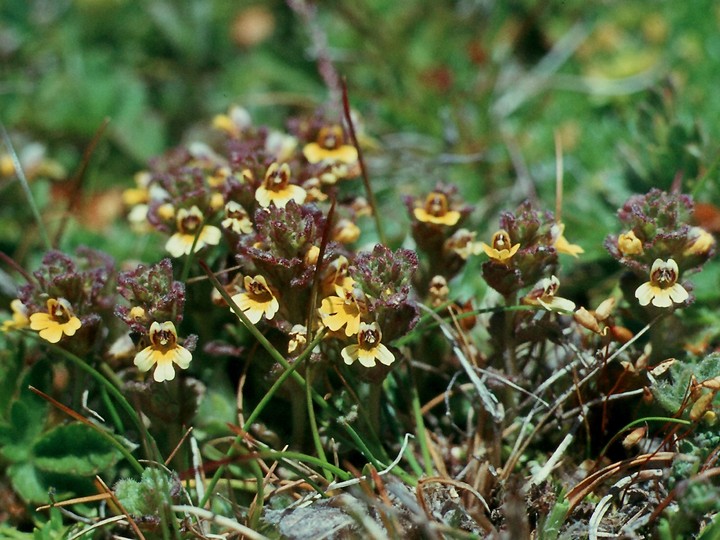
x,y
523,251
436,227
658,243
69,301
155,305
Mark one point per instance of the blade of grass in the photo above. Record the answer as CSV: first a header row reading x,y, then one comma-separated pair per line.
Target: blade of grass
x,y
26,187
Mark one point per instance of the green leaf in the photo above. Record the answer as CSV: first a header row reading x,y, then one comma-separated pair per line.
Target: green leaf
x,y
551,526
75,449
17,437
27,482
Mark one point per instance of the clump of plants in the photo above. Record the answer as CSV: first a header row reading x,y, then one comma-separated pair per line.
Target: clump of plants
x,y
300,349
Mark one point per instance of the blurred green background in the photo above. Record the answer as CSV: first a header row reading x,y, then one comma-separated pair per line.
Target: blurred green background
x,y
471,92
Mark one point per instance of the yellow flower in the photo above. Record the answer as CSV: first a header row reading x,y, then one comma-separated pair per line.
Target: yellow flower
x,y
344,309
313,189
234,122
438,291
662,289
139,194
218,178
700,242
257,300
336,274
188,222
561,244
277,189
19,317
463,244
346,232
629,244
298,339
166,212
330,146
58,320
368,348
500,249
236,218
544,295
162,352
436,211
280,145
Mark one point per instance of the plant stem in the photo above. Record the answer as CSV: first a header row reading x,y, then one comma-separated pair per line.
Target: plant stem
x,y
420,424
313,423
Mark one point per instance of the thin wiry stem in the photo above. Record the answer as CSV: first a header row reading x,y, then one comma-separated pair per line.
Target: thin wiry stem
x,y
366,179
26,187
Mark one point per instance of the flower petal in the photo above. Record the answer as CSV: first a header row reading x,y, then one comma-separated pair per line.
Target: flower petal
x,y
678,294
182,357
644,293
384,355
53,333
145,359
350,353
662,298
40,321
367,356
164,370
177,245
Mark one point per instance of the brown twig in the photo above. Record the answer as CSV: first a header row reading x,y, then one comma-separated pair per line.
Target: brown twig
x,y
361,161
77,181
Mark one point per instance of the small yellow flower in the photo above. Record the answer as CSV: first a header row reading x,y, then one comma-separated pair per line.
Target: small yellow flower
x,y
629,244
137,313
277,189
139,194
313,189
561,244
58,320
236,218
368,348
336,275
7,166
298,339
463,244
280,145
662,289
218,178
501,248
346,232
166,212
19,317
330,146
234,122
257,300
439,291
699,242
188,222
544,295
162,352
436,211
344,309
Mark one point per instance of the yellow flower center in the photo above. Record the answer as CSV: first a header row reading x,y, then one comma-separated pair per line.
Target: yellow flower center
x,y
501,240
259,291
663,277
277,177
330,137
368,338
436,204
60,310
188,221
234,211
164,338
